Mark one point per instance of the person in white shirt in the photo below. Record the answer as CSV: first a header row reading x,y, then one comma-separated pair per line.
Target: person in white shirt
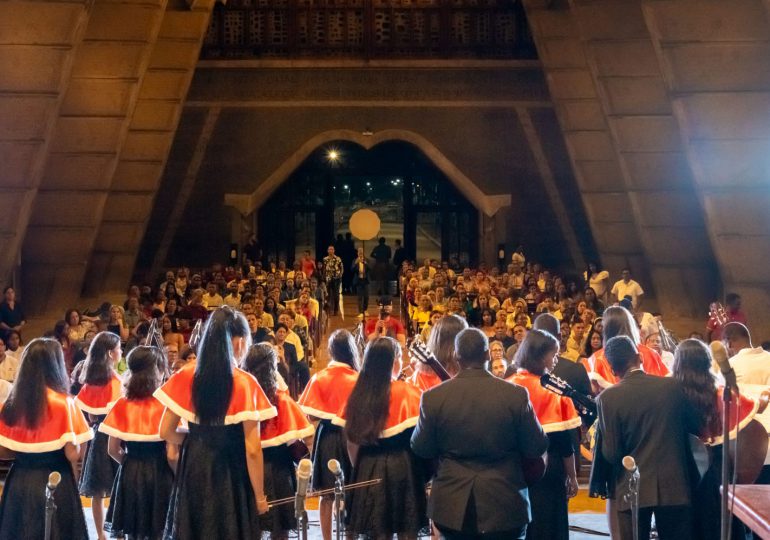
x,y
212,299
9,364
751,364
628,287
752,373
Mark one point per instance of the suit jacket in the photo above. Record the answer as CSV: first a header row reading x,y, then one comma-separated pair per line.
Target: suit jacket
x,y
479,427
648,418
354,272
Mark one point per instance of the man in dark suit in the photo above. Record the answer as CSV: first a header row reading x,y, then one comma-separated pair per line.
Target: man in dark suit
x,y
360,282
480,427
647,418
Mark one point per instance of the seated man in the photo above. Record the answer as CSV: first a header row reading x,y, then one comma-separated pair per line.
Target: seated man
x,y
385,325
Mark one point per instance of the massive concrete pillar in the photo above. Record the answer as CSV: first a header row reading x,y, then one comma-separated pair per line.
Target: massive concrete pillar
x,y
90,131
589,141
714,58
109,143
150,134
37,43
653,166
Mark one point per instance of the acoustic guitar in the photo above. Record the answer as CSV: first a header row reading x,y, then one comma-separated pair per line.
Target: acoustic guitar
x,y
533,468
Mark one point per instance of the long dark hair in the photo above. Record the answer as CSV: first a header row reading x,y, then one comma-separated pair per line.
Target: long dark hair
x,y
342,348
261,361
98,368
213,381
532,352
369,403
587,349
618,321
42,367
692,368
144,375
441,341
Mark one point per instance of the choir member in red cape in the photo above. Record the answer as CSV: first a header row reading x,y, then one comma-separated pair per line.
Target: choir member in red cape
x,y
692,367
101,389
537,355
325,395
42,430
277,434
442,344
618,321
379,419
140,495
218,490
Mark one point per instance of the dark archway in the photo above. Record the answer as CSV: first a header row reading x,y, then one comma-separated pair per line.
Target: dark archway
x,y
414,198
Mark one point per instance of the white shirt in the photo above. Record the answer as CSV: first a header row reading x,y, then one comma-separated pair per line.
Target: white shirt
x,y
752,366
5,389
632,289
9,368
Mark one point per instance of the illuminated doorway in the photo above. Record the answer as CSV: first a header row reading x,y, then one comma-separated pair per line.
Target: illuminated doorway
x,y
415,200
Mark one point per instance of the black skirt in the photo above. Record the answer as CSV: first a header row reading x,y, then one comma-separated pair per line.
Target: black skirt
x,y
140,495
548,496
397,505
212,496
22,506
99,469
280,482
329,444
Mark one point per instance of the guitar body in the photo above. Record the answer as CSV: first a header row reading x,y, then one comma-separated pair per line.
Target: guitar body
x,y
752,449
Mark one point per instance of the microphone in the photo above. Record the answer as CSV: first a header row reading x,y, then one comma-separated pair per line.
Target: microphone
x,y
53,482
719,353
629,463
336,469
304,470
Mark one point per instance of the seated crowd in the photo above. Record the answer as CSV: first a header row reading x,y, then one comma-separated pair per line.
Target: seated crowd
x,y
504,304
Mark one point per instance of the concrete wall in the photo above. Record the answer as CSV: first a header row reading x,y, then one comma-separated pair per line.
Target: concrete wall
x,y
495,125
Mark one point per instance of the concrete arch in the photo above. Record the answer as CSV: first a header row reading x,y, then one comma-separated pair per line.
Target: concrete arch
x,y
487,204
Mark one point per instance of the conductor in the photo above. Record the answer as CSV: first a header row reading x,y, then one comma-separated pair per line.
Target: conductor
x,y
480,427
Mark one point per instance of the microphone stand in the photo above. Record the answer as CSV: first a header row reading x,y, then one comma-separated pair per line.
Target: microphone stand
x,y
727,398
633,497
301,514
339,490
50,508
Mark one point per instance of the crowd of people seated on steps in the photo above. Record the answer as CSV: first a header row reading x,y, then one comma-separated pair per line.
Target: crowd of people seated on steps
x,y
289,304
503,303
284,307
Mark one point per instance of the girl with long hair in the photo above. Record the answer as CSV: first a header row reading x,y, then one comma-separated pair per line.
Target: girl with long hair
x,y
100,391
218,491
41,429
536,356
442,344
379,419
618,321
692,368
593,343
324,396
277,435
142,489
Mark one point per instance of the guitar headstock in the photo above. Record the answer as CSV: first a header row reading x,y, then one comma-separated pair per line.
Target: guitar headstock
x,y
419,350
718,312
555,384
